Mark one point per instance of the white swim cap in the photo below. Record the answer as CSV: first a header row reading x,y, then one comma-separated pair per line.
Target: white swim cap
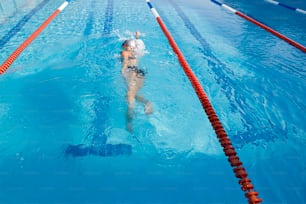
x,y
140,47
130,43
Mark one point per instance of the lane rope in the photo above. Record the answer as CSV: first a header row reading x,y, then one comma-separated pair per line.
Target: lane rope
x,y
9,61
219,69
224,140
286,6
21,23
252,20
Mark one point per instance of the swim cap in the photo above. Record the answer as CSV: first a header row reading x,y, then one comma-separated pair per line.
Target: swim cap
x,y
140,47
129,43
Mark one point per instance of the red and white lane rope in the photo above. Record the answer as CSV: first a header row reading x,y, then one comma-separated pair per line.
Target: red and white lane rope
x,y
9,61
281,36
224,140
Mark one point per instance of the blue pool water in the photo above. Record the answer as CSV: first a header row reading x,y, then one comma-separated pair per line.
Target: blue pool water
x,y
66,89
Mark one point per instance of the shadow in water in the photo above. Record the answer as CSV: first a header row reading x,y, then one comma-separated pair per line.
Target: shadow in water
x,y
104,150
98,145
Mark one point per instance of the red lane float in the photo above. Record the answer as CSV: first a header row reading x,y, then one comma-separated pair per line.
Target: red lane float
x,y
9,61
274,32
224,140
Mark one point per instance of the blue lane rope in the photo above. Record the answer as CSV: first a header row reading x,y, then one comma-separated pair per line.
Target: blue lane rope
x,y
286,6
21,23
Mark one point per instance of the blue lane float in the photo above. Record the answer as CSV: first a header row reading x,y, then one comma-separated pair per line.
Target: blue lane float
x,y
286,6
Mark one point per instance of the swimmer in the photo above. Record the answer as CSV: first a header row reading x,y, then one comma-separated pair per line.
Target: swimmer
x,y
134,77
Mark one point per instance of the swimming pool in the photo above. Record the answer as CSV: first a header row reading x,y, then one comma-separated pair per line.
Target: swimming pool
x,y
66,88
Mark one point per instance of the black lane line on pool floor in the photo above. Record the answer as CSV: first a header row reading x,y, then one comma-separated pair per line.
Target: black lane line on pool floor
x,y
216,65
90,21
108,22
101,104
99,134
